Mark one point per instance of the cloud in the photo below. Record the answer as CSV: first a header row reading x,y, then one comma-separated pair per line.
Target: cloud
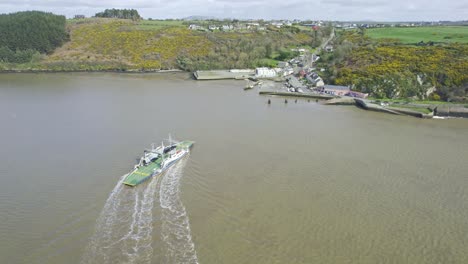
x,y
379,10
81,3
356,3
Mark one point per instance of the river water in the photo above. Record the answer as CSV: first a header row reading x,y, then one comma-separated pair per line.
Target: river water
x,y
280,183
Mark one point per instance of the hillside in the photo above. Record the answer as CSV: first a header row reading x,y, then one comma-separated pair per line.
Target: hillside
x,y
391,68
117,44
99,44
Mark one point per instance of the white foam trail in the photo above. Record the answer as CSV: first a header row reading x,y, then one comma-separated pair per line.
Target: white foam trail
x,y
103,226
123,231
143,250
175,222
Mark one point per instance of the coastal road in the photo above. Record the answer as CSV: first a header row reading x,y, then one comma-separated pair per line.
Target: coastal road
x,y
319,49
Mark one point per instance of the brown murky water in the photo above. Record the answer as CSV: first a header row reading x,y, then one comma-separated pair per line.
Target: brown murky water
x,y
295,183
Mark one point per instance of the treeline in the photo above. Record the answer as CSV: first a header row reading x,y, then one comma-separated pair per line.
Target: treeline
x,y
18,56
120,13
24,34
389,69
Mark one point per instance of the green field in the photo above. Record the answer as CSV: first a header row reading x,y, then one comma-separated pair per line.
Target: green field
x,y
412,35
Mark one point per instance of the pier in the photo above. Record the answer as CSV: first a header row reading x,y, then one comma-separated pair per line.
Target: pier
x,y
223,74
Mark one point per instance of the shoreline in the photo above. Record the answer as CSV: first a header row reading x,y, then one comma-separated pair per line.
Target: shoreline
x,y
449,110
93,71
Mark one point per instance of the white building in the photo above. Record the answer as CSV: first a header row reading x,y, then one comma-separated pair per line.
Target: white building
x,y
227,27
212,27
265,73
277,24
195,27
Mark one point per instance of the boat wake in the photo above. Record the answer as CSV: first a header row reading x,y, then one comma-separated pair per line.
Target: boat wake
x,y
176,234
124,229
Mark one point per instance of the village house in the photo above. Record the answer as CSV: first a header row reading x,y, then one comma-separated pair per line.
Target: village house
x,y
301,51
195,27
265,73
79,17
227,27
334,90
285,71
213,27
329,48
319,82
314,79
252,24
277,24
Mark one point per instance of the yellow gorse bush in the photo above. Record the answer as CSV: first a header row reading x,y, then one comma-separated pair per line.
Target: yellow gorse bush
x,y
120,41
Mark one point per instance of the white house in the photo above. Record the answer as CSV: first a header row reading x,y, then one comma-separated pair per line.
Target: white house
x,y
320,83
265,73
212,27
195,27
277,24
227,27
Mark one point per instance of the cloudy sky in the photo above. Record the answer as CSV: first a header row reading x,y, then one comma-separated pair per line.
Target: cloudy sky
x,y
378,10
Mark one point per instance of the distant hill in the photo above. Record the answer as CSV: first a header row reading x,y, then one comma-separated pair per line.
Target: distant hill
x,y
198,18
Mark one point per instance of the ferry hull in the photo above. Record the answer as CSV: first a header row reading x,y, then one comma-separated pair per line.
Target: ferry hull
x,y
143,173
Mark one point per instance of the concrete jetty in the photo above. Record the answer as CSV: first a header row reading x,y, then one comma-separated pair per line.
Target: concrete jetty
x,y
391,110
452,110
223,74
341,101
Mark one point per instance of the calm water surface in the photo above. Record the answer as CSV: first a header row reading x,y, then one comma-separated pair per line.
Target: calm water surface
x,y
295,183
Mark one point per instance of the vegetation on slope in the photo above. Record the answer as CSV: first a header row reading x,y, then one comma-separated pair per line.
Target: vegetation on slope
x,y
118,39
245,50
110,44
389,69
24,34
117,44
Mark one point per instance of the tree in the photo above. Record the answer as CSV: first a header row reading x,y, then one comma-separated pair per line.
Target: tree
x,y
24,33
268,50
120,13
